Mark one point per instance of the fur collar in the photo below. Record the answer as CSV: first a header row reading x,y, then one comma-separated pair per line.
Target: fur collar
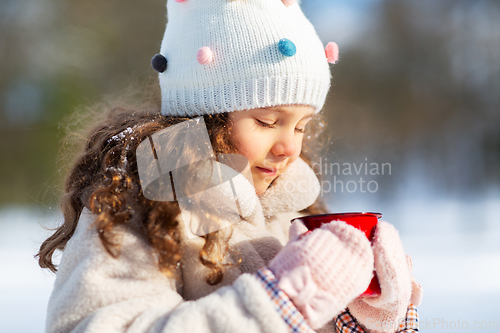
x,y
294,190
256,238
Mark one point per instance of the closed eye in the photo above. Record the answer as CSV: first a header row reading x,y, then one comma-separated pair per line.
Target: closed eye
x,y
263,124
267,125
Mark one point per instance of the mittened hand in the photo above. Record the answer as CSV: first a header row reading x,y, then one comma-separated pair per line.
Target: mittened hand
x,y
324,269
399,288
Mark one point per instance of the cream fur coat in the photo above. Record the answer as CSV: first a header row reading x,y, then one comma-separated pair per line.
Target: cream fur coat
x,y
95,292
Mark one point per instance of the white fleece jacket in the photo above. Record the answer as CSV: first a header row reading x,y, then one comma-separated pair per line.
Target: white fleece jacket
x,y
95,292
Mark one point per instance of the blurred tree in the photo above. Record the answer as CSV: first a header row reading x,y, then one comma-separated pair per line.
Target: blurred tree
x,y
418,89
66,54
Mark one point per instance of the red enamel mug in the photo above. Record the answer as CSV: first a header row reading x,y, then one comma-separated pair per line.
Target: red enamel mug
x,y
365,222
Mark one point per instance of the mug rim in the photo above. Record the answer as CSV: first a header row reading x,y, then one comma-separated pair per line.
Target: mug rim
x,y
347,214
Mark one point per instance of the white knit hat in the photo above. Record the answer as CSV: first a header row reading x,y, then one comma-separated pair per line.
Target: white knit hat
x,y
227,55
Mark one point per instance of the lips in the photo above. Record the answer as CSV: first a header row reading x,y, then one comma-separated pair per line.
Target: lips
x,y
268,171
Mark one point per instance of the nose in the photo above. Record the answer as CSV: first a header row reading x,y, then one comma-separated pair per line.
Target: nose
x,y
286,145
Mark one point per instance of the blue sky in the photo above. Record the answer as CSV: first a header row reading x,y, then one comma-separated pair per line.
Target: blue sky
x,y
341,21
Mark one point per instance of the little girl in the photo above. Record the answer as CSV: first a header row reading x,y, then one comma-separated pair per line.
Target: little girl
x,y
137,253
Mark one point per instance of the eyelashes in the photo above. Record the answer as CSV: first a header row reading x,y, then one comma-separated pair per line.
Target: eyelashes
x,y
273,125
266,125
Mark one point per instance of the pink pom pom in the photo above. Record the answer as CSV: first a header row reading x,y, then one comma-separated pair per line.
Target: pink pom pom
x,y
288,3
205,55
180,0
332,52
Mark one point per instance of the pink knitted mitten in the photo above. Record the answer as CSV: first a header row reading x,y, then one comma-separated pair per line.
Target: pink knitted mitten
x,y
323,270
399,288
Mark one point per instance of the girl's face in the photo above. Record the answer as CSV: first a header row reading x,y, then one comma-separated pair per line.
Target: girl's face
x,y
270,138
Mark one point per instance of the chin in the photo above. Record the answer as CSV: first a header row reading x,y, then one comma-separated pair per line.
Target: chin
x,y
261,184
260,191
262,187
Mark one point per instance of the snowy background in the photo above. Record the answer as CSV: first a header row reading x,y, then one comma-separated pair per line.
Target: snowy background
x,y
459,269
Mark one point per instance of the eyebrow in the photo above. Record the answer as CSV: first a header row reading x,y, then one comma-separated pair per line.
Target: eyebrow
x,y
279,110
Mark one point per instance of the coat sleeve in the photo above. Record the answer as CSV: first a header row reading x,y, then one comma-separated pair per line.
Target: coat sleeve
x,y
95,292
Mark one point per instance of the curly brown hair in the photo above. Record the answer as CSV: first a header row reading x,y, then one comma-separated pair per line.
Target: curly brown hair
x,y
105,179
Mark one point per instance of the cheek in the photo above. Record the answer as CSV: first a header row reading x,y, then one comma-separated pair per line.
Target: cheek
x,y
239,140
248,143
248,147
300,147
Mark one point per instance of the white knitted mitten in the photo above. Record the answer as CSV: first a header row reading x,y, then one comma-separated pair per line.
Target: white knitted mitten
x,y
324,269
399,288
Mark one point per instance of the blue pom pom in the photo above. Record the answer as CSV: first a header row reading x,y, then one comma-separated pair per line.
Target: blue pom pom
x,y
287,47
